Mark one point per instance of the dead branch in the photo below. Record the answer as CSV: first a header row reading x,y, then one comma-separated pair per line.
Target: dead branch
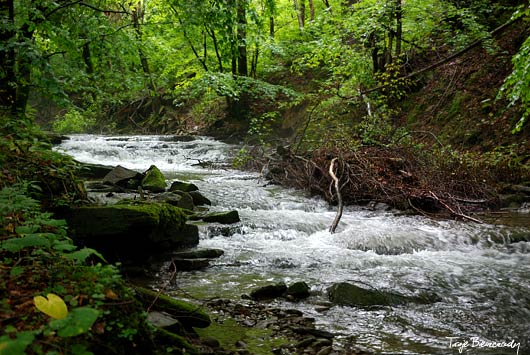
x,y
453,212
339,197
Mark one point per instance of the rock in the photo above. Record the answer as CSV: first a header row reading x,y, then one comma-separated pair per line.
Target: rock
x,y
183,186
55,138
120,176
187,314
221,217
314,332
199,254
176,198
182,138
346,294
199,199
182,264
269,291
93,171
298,290
96,186
161,319
131,231
154,180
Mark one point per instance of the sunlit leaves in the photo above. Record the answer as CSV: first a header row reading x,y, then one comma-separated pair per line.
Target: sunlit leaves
x,y
52,306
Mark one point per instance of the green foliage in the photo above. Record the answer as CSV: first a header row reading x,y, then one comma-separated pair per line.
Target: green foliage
x,y
74,122
39,258
516,87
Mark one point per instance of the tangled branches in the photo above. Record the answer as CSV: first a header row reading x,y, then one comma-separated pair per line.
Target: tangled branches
x,y
431,183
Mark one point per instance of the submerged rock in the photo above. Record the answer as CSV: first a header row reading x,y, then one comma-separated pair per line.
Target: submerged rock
x,y
183,264
154,180
347,294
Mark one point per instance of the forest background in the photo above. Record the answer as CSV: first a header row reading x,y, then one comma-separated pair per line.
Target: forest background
x,y
422,104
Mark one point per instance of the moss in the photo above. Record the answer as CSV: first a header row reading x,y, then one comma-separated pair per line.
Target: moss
x,y
188,314
229,332
130,231
154,180
175,342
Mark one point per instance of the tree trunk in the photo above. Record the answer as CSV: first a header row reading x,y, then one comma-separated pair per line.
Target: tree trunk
x,y
271,26
137,18
399,28
87,58
7,58
242,61
299,7
311,11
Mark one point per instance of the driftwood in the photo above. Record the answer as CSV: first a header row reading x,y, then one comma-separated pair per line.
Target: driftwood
x,y
339,197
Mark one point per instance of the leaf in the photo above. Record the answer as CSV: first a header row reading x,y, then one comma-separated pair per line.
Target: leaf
x,y
79,321
54,306
32,240
81,255
16,346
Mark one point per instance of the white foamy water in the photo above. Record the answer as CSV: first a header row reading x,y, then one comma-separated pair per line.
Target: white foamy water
x,y
482,279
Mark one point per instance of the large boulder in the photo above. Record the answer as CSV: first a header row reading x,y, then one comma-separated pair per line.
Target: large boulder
x,y
131,230
123,177
154,180
93,171
347,294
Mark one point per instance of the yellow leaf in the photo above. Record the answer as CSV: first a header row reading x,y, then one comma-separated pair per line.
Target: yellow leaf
x,y
53,306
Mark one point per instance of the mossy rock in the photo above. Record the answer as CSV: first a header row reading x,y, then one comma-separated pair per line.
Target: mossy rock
x,y
132,230
189,315
154,180
167,339
183,186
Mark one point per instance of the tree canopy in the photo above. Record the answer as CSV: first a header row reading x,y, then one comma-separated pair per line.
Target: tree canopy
x,y
90,57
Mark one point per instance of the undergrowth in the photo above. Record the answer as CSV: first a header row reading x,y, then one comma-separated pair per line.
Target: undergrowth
x,y
39,259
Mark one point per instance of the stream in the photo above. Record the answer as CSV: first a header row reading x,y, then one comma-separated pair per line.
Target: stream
x,y
481,272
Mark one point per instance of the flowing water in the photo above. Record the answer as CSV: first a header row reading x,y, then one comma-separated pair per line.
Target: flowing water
x,y
480,272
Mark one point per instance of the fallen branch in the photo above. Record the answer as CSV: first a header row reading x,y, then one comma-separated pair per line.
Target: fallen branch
x,y
339,197
463,216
